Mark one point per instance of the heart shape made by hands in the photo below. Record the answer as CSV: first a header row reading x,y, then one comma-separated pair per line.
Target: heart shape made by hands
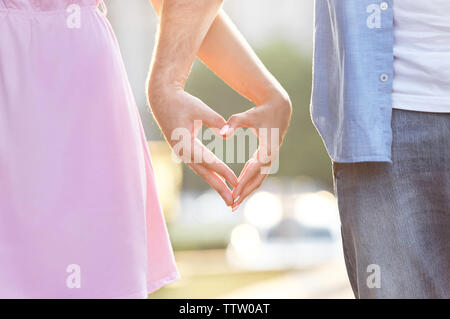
x,y
268,121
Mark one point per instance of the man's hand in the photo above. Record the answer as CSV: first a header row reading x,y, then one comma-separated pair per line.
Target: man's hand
x,y
183,26
181,111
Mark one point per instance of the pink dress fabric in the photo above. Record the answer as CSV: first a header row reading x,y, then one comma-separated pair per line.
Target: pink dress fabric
x,y
77,191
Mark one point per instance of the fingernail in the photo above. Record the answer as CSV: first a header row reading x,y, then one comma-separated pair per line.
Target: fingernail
x,y
235,208
224,129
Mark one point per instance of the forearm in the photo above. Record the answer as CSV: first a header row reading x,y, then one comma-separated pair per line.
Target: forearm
x,y
225,51
183,25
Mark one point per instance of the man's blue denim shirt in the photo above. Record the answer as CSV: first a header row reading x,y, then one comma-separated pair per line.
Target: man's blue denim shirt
x,y
351,103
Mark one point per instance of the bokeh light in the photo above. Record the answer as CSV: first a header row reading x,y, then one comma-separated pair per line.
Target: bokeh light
x,y
263,209
317,210
245,237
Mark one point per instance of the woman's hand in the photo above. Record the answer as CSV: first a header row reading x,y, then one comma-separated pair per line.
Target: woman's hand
x,y
180,116
269,122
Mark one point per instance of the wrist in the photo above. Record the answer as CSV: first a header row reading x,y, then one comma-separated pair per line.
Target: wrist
x,y
279,98
159,91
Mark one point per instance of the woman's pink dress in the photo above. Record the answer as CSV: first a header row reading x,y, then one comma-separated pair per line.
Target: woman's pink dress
x,y
79,212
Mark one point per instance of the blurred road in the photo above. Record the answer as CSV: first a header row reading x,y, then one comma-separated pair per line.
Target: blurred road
x,y
206,274
327,281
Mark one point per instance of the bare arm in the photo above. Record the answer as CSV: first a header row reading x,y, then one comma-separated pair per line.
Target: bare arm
x,y
224,50
183,26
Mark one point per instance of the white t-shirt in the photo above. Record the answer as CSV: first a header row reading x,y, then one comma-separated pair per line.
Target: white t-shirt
x,y
422,55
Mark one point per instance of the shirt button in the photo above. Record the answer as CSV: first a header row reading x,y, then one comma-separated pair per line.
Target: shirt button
x,y
384,6
384,77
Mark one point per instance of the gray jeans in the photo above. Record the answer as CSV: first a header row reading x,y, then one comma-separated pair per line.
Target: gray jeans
x,y
396,217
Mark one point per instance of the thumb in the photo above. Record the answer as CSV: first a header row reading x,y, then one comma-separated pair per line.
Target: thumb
x,y
213,120
236,121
